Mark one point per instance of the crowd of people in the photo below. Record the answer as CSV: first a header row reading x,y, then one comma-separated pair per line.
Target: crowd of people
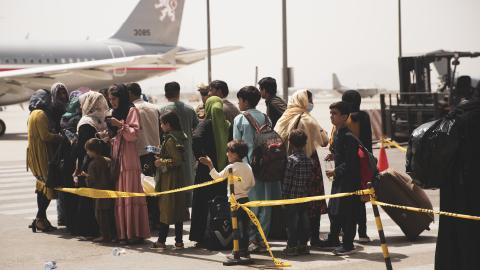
x,y
104,140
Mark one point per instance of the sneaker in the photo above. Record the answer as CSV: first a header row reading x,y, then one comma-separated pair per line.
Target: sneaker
x,y
364,239
303,250
255,247
340,251
159,246
179,246
290,251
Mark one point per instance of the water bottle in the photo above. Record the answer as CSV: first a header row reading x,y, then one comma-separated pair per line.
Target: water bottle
x,y
50,265
152,149
118,251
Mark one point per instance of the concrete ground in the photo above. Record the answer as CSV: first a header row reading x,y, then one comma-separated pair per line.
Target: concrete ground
x,y
22,249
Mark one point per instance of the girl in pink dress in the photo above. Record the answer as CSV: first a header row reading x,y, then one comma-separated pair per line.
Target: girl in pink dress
x,y
131,215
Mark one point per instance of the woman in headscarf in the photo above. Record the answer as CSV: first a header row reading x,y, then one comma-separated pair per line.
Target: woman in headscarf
x,y
73,111
131,215
38,154
210,138
59,104
94,107
66,203
297,116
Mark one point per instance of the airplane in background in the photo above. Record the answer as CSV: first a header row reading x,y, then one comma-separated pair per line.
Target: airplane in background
x,y
364,92
143,47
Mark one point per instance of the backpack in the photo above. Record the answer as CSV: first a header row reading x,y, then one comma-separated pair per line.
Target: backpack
x,y
269,156
219,234
368,164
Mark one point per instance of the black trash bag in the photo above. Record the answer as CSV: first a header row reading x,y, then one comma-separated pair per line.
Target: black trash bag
x,y
432,149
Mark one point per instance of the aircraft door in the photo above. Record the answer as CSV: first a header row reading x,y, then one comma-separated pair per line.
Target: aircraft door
x,y
118,52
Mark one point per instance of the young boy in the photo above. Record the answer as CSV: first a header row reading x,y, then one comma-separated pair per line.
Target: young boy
x,y
343,211
236,151
298,175
99,177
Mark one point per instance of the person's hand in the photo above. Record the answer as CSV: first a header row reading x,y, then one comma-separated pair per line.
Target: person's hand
x,y
329,157
83,173
77,172
103,135
330,173
158,163
115,122
206,161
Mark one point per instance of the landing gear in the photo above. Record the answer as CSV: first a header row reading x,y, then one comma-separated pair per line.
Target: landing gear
x,y
3,127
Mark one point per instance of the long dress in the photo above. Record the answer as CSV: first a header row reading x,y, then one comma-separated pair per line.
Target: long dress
x,y
131,214
38,152
458,239
173,207
204,145
84,222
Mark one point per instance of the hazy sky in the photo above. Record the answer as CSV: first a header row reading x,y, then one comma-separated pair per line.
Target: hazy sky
x,y
357,39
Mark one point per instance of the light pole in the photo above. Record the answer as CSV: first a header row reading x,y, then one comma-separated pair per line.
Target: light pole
x,y
399,28
284,51
209,52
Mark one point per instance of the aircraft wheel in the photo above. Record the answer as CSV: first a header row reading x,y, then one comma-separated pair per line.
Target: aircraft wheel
x,y
3,127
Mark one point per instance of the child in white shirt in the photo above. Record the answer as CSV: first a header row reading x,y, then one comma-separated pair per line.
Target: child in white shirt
x,y
236,151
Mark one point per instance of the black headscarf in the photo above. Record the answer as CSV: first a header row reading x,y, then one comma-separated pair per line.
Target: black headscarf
x,y
120,91
124,105
41,100
353,98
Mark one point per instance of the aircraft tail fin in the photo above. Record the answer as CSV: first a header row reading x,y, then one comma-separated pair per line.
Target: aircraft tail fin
x,y
336,85
153,22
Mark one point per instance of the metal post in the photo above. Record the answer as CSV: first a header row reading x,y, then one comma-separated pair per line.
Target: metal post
x,y
209,48
236,259
284,51
378,222
399,28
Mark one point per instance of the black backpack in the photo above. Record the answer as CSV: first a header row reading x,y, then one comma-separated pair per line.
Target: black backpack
x,y
219,234
269,156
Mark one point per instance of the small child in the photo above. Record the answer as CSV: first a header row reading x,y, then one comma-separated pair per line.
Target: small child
x,y
343,212
98,177
173,207
298,175
236,151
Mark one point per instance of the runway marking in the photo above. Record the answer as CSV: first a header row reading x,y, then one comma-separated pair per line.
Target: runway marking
x,y
17,184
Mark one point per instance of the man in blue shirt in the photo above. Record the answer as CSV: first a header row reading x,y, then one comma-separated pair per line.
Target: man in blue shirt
x,y
248,98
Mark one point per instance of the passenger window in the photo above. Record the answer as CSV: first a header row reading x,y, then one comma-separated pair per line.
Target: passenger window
x,y
15,60
39,61
55,60
64,60
6,61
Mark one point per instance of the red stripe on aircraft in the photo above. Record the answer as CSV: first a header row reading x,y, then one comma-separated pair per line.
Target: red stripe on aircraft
x,y
132,68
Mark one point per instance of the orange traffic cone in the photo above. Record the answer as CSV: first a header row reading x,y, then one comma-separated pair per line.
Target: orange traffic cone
x,y
382,163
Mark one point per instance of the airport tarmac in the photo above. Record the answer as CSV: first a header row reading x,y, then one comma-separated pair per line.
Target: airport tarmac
x,y
22,249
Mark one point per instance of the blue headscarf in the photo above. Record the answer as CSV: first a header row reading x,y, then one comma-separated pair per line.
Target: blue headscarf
x,y
40,100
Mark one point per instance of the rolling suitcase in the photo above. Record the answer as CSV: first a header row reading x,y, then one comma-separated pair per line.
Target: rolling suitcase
x,y
398,188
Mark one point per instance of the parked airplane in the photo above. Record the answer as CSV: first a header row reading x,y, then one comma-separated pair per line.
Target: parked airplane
x,y
144,46
364,92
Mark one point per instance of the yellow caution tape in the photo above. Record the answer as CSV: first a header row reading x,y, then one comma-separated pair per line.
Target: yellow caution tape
x,y
107,194
428,211
305,199
391,143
